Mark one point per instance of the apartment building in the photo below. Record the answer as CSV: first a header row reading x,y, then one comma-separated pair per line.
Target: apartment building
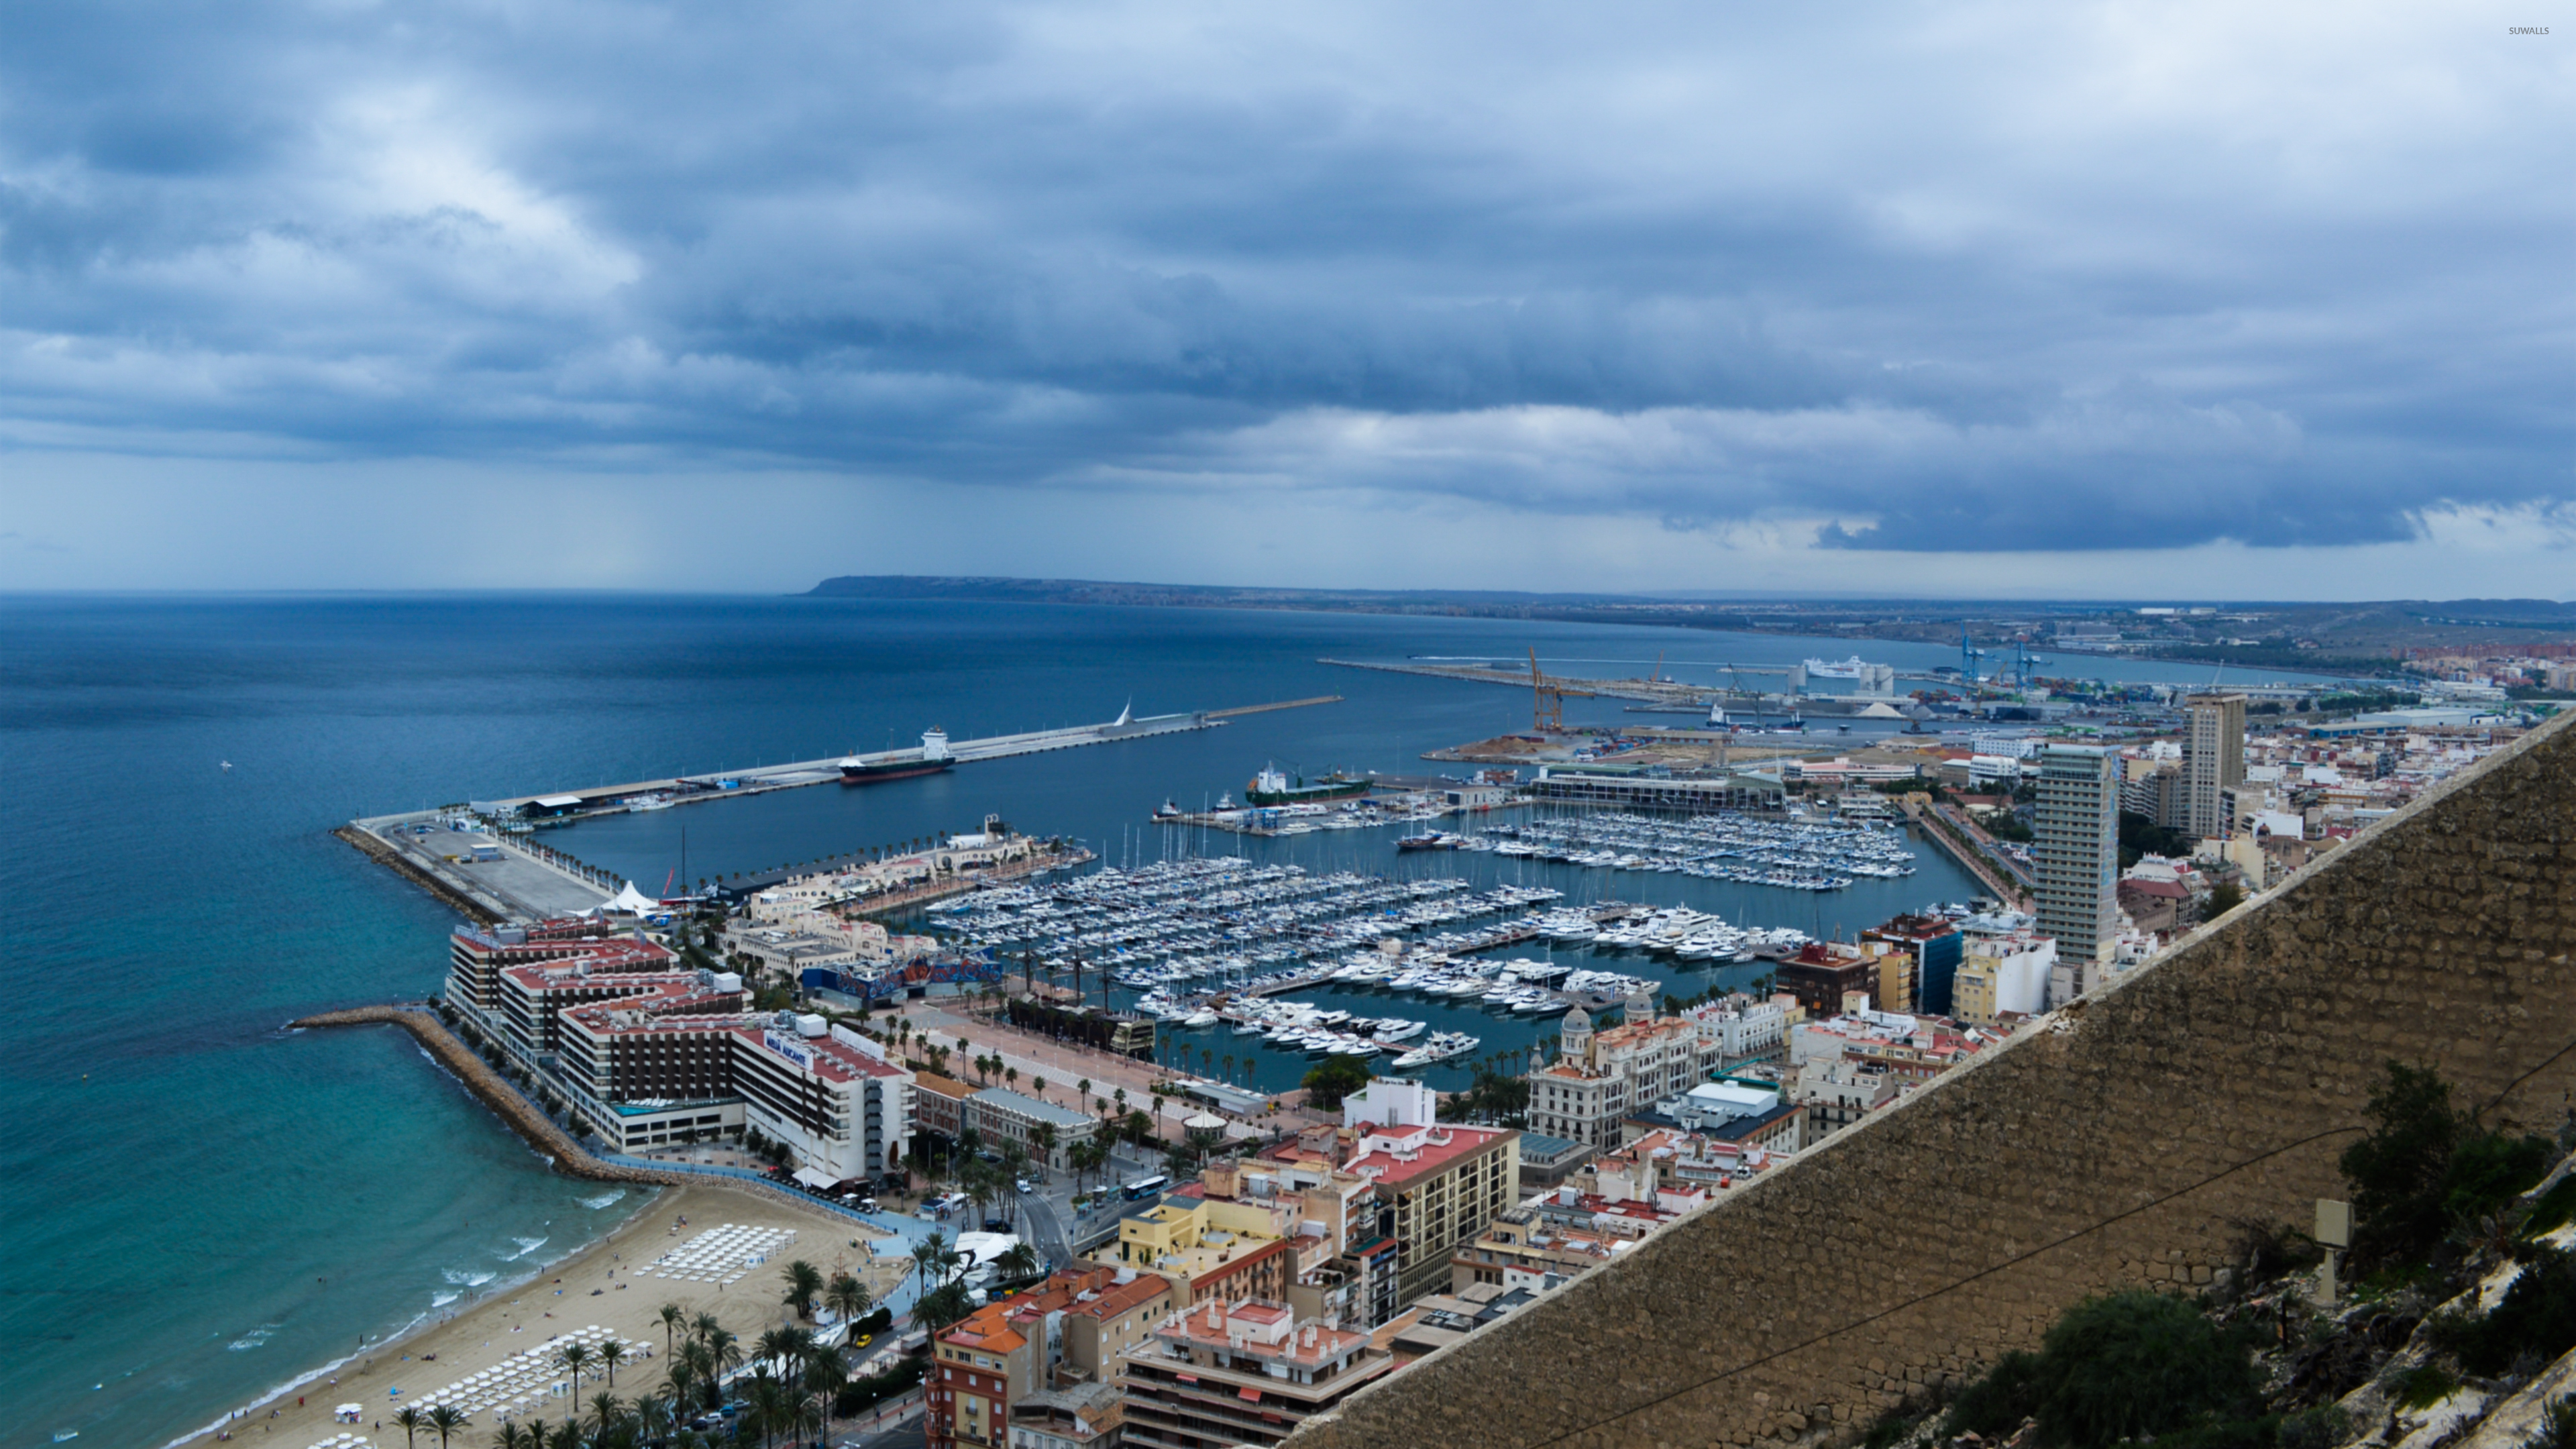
x,y
2077,851
1245,1372
2214,759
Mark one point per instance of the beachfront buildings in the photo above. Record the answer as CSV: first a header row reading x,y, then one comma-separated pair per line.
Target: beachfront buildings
x,y
1244,1372
2213,761
2078,850
649,1056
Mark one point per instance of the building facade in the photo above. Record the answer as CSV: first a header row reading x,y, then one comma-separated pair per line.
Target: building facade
x,y
2077,849
2214,760
1241,1373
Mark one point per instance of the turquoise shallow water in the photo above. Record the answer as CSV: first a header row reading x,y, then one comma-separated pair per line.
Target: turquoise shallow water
x,y
200,1206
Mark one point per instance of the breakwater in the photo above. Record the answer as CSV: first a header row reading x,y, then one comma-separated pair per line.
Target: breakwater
x,y
488,1087
479,908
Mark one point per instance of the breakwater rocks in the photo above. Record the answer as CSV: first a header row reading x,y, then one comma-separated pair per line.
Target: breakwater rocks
x,y
391,859
488,1087
2120,1142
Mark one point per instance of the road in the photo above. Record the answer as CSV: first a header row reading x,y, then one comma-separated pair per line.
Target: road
x,y
904,1431
1046,1230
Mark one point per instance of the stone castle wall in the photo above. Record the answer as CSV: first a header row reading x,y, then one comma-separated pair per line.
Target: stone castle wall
x,y
2119,1143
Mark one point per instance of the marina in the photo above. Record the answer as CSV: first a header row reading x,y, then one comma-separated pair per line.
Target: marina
x,y
1220,943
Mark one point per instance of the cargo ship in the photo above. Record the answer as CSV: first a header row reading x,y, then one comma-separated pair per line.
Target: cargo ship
x,y
1272,787
932,759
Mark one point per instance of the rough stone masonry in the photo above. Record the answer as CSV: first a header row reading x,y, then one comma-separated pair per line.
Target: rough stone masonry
x,y
2117,1142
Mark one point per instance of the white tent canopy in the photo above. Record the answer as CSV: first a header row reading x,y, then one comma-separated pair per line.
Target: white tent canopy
x,y
632,902
814,1177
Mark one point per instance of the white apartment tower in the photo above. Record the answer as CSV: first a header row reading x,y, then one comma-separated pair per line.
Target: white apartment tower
x,y
2213,761
2078,849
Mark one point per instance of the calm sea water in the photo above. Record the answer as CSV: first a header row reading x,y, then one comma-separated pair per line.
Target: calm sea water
x,y
202,1207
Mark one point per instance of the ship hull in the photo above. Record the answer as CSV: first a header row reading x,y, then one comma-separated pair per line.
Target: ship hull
x,y
1306,794
895,770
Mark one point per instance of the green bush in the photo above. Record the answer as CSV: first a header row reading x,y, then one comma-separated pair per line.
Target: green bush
x,y
2425,1385
2426,1167
859,1395
2490,1170
1995,1405
2537,1316
2553,1210
2129,1365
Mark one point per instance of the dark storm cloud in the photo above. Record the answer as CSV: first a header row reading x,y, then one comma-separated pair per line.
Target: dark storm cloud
x,y
2012,278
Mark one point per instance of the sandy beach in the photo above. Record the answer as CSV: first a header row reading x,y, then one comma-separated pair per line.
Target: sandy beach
x,y
609,1284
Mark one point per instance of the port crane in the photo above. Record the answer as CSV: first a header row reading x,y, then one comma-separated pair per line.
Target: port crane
x,y
1547,713
1969,654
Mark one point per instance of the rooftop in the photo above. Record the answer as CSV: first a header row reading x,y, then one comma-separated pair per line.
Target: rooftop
x,y
1030,1107
1401,1159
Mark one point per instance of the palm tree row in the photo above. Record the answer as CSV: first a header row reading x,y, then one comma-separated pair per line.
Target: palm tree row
x,y
612,1423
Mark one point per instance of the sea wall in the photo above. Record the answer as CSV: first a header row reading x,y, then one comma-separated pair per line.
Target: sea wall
x,y
489,1088
480,911
2122,1141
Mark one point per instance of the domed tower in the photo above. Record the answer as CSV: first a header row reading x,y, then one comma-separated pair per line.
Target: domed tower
x,y
1574,1037
1638,1009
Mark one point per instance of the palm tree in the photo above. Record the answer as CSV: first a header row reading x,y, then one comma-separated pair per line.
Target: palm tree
x,y
726,1350
804,1284
567,1435
769,1411
778,1346
848,1297
673,1315
705,1326
517,1436
1043,1139
412,1420
446,1419
1017,1261
576,1357
654,1419
826,1370
927,1257
607,1412
694,1364
612,1353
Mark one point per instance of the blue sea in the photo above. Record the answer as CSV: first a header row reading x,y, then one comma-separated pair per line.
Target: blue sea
x,y
202,1207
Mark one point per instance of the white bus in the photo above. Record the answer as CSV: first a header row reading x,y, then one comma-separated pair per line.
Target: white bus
x,y
1147,1186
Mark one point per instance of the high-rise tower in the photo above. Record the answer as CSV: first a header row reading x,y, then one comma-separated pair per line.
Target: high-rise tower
x,y
2078,849
2214,762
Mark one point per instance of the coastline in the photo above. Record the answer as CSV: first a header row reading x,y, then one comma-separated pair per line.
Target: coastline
x,y
603,1281
421,1323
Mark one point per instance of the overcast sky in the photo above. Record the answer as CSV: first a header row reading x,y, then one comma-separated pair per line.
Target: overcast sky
x,y
2224,300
